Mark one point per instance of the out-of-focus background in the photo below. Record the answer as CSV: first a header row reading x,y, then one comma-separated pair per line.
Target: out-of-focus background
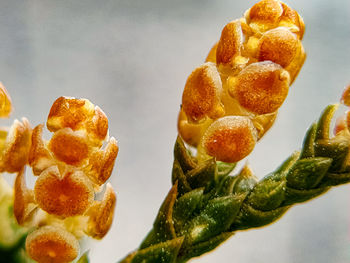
x,y
132,58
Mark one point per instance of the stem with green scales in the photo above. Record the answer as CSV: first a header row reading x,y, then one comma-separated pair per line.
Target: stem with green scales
x,y
206,205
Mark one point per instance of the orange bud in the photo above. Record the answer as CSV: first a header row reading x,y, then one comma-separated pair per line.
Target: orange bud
x,y
63,195
69,146
39,156
265,13
98,125
24,205
230,43
69,113
230,139
52,245
261,87
291,19
102,162
79,114
201,96
278,45
5,102
345,98
341,124
101,214
17,146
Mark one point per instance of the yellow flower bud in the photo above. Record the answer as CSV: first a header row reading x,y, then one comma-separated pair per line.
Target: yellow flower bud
x,y
345,98
278,45
292,20
230,139
101,214
261,87
24,204
201,96
69,112
69,146
52,245
101,162
64,195
264,15
16,147
78,114
40,157
230,43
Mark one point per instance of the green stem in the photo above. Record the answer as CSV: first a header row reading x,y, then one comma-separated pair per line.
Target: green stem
x,y
207,205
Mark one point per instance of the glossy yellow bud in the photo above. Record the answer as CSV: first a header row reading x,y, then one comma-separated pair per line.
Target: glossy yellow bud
x,y
69,112
69,146
16,147
278,45
101,162
52,245
201,96
345,98
265,14
40,157
24,204
64,195
230,139
292,20
78,114
101,214
230,43
261,87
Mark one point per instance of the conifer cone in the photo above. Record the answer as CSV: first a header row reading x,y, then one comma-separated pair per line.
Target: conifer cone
x,y
247,73
71,168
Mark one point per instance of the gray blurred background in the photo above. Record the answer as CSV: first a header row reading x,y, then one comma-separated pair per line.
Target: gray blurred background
x,y
132,58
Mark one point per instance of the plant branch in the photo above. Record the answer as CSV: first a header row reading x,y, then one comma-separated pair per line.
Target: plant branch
x,y
206,205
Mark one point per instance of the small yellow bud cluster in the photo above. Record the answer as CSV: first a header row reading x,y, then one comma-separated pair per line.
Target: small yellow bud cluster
x,y
70,168
231,100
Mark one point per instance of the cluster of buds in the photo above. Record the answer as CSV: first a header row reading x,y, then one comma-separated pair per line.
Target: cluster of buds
x,y
230,101
71,168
